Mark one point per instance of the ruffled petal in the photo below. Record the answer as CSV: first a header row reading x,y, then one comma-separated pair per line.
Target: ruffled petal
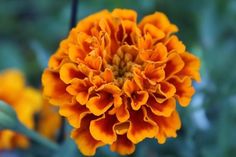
x,y
173,44
166,89
69,71
158,55
81,89
154,74
167,125
123,145
161,109
74,113
191,67
138,99
173,65
100,104
141,126
102,129
83,138
125,14
184,90
55,89
156,33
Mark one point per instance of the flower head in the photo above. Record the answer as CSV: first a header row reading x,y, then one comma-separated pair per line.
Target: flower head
x,y
117,82
26,101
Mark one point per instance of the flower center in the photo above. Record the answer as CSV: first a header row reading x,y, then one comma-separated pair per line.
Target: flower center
x,y
122,64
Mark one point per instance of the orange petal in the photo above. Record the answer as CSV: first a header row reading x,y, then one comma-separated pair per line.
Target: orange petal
x,y
141,126
100,104
161,109
86,24
85,141
166,89
69,71
93,62
121,128
173,65
108,75
159,20
102,129
191,67
158,55
74,113
123,145
76,54
56,61
154,74
167,126
156,33
81,89
129,87
125,14
122,112
54,88
173,44
138,99
184,90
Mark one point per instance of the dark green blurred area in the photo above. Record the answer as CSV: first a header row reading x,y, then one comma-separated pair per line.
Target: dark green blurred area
x,y
31,30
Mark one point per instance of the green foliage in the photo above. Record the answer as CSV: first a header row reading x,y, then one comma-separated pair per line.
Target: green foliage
x,y
31,30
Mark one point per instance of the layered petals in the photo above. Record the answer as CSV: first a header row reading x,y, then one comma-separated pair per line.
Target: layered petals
x,y
117,82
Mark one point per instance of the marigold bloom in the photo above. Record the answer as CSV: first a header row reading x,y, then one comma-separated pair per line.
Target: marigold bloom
x,y
25,100
117,81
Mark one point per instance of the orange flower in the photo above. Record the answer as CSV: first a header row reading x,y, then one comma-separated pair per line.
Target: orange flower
x,y
25,100
117,81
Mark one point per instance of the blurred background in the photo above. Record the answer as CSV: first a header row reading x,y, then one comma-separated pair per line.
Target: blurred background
x,y
30,31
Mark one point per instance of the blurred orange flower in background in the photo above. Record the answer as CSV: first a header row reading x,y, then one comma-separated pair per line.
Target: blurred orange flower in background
x,y
117,81
27,102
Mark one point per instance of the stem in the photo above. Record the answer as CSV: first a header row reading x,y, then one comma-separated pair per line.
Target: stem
x,y
73,19
38,138
74,8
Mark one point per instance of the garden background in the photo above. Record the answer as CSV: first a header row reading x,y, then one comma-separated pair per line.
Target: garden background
x,y
30,31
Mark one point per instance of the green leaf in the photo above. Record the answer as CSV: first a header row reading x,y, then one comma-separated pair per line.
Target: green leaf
x,y
9,120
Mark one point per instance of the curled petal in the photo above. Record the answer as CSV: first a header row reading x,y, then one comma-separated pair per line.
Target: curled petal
x,y
93,62
159,20
123,145
167,125
54,88
173,65
100,104
85,141
191,66
156,33
166,89
141,126
161,109
69,71
129,87
184,90
81,89
138,99
122,112
89,22
158,55
102,129
74,113
121,128
125,14
154,74
173,44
